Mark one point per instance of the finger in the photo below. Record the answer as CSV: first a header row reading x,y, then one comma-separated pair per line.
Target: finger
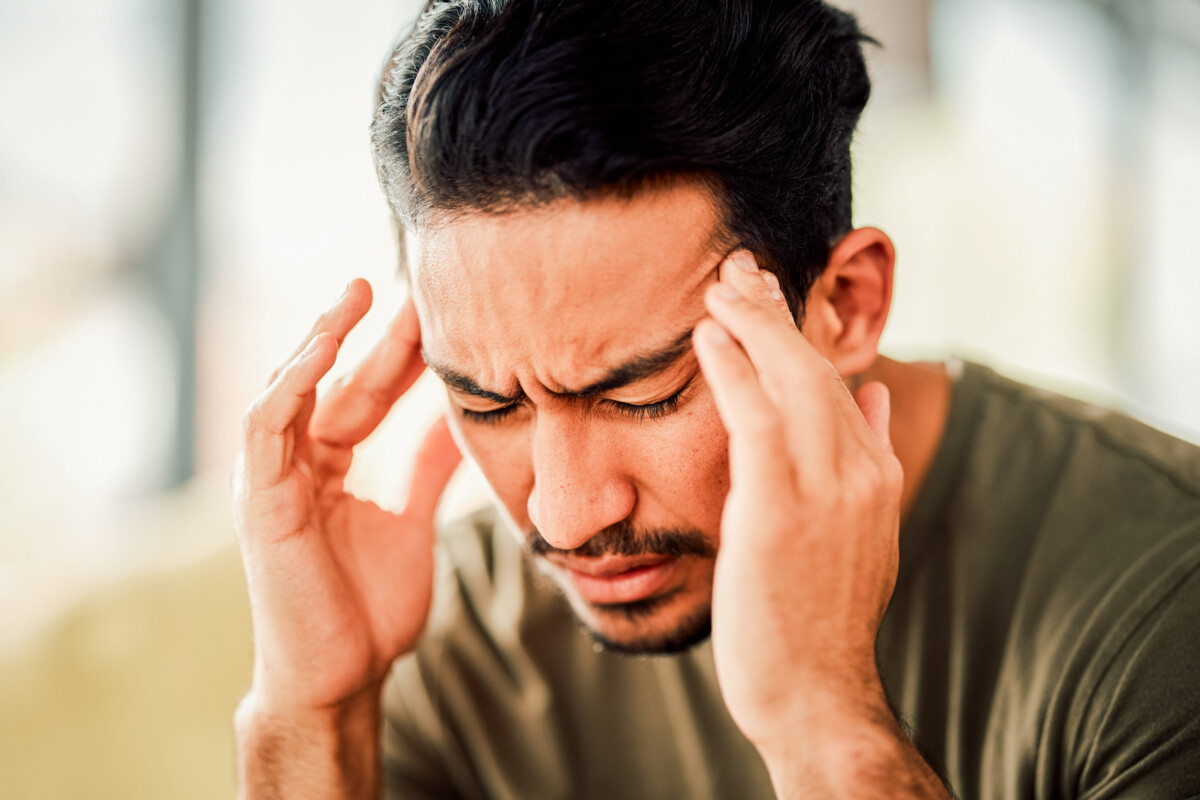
x,y
273,416
779,342
761,286
795,376
776,296
337,320
757,453
874,401
775,340
436,461
355,405
792,375
761,291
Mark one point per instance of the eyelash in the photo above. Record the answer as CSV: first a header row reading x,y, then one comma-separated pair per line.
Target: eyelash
x,y
655,410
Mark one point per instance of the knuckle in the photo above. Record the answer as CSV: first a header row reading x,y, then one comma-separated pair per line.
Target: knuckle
x,y
320,323
280,375
894,478
379,396
880,481
756,305
820,501
874,482
893,471
325,323
341,383
861,482
254,418
761,424
774,385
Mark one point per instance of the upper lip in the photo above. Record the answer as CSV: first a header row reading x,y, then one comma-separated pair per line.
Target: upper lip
x,y
605,566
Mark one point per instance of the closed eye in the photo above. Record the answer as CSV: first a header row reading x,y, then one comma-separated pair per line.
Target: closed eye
x,y
489,417
655,410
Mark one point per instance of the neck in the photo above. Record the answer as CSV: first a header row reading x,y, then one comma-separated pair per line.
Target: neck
x,y
920,394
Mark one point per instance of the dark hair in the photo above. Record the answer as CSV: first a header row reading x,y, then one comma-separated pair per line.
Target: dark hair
x,y
492,105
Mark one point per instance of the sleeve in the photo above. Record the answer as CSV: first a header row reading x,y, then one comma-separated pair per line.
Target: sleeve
x,y
413,767
1140,734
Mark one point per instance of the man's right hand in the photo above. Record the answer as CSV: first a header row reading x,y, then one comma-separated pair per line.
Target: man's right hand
x,y
339,587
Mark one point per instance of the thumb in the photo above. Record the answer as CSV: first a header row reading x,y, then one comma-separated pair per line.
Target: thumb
x,y
875,402
436,461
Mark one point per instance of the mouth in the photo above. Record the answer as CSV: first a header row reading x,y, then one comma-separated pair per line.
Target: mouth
x,y
614,580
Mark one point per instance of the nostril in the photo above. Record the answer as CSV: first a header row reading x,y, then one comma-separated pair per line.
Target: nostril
x,y
531,508
567,517
581,484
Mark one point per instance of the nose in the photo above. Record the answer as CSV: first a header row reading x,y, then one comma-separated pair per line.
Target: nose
x,y
580,481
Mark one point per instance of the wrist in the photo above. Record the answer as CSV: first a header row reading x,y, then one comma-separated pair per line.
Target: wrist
x,y
842,745
277,703
319,752
824,719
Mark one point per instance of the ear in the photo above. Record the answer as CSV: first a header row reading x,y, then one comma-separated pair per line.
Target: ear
x,y
848,305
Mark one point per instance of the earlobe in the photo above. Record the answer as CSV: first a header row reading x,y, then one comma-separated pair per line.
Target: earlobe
x,y
857,285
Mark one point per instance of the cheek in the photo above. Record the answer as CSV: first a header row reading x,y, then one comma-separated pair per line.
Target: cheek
x,y
683,468
503,455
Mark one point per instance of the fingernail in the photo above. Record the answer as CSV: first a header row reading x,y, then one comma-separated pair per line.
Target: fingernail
x,y
340,298
312,347
773,285
744,260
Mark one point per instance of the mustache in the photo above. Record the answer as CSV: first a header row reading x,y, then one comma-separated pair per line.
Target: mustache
x,y
622,539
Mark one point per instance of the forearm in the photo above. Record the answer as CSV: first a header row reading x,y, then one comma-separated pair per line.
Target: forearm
x,y
326,756
850,752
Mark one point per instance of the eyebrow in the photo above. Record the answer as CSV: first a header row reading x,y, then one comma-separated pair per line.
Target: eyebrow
x,y
636,369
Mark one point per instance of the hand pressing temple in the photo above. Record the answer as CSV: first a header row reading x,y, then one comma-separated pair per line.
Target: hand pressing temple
x,y
808,553
339,586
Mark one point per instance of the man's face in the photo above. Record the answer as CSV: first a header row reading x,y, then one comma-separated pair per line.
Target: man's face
x,y
563,334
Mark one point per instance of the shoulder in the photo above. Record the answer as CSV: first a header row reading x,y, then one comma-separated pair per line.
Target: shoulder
x,y
1064,508
1102,510
1109,506
1014,421
1097,518
1048,482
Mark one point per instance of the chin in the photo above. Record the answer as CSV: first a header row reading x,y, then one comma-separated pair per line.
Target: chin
x,y
661,625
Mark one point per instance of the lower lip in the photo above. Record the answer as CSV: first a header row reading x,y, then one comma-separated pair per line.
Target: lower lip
x,y
623,587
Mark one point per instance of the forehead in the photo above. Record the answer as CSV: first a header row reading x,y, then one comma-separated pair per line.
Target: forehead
x,y
557,293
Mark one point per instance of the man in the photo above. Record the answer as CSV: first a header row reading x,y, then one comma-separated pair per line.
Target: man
x,y
628,242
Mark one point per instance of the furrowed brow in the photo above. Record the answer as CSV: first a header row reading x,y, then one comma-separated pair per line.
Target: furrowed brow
x,y
462,383
632,371
636,369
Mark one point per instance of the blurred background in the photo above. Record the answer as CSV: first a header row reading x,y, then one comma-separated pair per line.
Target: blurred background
x,y
185,184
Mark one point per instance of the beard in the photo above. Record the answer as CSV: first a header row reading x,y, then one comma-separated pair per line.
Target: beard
x,y
622,539
691,631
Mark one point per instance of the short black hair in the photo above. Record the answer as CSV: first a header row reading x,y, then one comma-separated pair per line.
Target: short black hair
x,y
494,105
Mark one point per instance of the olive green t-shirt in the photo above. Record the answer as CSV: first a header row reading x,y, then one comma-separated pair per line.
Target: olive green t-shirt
x,y
1043,640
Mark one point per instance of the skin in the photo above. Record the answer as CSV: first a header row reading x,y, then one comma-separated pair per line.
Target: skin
x,y
579,304
797,485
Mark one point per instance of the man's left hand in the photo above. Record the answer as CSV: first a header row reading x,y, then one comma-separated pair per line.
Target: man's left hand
x,y
809,534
